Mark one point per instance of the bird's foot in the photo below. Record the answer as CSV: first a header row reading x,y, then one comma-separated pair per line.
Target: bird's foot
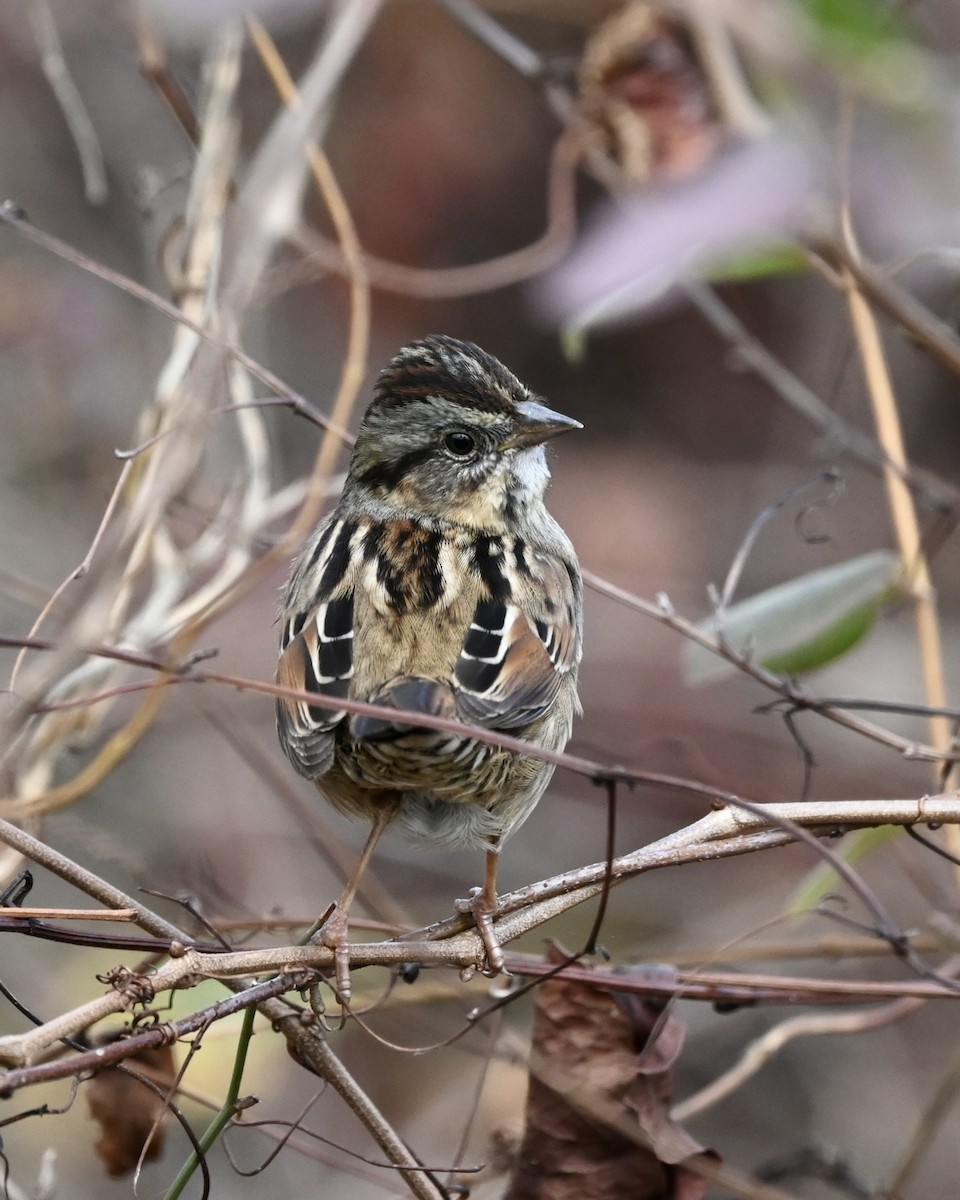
x,y
483,908
334,934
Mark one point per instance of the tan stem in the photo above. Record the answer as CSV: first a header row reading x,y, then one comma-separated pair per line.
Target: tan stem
x,y
902,511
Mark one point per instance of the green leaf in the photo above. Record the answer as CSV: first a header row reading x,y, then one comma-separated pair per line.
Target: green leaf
x,y
800,625
573,343
759,262
819,882
874,51
855,26
828,646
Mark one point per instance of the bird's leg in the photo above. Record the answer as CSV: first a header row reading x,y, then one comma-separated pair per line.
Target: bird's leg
x,y
334,933
482,905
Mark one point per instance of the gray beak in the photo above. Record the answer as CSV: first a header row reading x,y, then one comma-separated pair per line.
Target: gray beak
x,y
537,424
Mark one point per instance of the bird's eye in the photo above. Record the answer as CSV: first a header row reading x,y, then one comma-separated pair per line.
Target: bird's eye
x,y
460,444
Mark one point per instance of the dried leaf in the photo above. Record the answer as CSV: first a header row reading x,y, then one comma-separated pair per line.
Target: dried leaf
x,y
128,1112
643,89
598,1124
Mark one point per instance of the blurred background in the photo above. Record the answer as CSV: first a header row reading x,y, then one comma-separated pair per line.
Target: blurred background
x,y
443,151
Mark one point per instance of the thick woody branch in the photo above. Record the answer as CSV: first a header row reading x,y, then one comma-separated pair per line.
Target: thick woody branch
x,y
721,834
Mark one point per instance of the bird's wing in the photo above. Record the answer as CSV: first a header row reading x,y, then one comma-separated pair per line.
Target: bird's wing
x,y
316,651
518,651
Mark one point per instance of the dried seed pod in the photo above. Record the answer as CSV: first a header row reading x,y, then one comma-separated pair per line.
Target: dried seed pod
x,y
647,95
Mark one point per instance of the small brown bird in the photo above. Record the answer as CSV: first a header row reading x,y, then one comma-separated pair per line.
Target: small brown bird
x,y
440,584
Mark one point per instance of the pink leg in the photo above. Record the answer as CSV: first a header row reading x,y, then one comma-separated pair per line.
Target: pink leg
x,y
335,930
482,905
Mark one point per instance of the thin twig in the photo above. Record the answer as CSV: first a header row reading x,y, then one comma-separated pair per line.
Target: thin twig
x,y
492,273
928,1125
797,697
735,987
721,834
903,514
759,523
78,572
751,353
71,102
316,1053
68,914
598,772
902,511
16,219
766,1047
155,66
358,339
931,334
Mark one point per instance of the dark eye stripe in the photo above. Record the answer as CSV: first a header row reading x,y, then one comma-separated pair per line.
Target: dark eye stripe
x,y
387,475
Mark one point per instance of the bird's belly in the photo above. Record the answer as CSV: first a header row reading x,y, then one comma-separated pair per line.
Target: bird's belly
x,y
452,792
442,766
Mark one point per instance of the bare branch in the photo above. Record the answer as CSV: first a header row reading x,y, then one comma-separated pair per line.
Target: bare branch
x,y
68,96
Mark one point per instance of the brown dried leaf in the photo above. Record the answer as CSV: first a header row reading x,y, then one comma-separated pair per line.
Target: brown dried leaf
x,y
128,1112
598,1125
644,90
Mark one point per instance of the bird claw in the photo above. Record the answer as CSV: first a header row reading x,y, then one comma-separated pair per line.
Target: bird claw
x,y
334,935
341,960
466,906
483,910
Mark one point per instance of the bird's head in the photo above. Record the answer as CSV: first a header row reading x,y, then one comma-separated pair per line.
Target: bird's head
x,y
453,435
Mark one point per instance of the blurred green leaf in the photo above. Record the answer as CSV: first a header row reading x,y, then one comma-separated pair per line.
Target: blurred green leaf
x,y
871,45
819,882
573,343
782,258
855,26
802,624
834,642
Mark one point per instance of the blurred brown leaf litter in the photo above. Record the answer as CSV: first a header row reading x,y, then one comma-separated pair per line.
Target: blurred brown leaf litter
x,y
597,1123
129,1112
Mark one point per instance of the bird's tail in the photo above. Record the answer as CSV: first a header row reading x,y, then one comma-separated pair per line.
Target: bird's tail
x,y
409,693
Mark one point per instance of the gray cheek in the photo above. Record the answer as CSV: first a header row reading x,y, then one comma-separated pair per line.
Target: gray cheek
x,y
436,488
472,477
447,482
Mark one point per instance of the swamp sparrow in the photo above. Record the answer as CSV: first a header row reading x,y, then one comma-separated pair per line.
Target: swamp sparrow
x,y
441,585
